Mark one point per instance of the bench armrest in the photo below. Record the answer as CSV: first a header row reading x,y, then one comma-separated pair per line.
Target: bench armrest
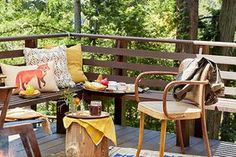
x,y
172,83
139,77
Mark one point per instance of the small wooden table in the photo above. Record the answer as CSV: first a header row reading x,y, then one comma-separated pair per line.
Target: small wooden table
x,y
80,144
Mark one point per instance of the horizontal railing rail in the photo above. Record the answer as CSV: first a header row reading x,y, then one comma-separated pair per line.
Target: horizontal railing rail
x,y
115,37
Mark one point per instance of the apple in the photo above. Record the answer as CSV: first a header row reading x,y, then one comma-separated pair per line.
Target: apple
x,y
104,82
29,90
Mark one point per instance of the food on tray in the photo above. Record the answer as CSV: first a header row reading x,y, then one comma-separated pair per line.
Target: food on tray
x,y
99,79
104,82
112,85
30,91
94,86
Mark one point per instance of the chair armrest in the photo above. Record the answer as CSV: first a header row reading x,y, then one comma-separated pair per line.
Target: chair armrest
x,y
139,77
171,84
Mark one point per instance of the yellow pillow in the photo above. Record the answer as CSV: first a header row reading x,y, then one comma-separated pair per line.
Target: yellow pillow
x,y
74,62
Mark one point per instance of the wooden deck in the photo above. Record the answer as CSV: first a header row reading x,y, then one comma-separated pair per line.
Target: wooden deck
x,y
53,145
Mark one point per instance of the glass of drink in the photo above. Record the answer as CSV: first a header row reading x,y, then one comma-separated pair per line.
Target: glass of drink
x,y
95,108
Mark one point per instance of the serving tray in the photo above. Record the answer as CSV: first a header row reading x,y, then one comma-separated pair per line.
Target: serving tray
x,y
30,96
86,115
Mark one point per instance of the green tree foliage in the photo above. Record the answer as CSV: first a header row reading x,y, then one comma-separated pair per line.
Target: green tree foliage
x,y
21,17
150,18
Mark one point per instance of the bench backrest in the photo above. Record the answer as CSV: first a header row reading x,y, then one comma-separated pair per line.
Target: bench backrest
x,y
121,61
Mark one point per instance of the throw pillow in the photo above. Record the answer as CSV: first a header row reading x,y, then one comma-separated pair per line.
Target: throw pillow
x,y
41,77
74,62
58,55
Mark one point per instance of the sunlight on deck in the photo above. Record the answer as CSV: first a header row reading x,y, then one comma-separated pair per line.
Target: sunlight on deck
x,y
54,145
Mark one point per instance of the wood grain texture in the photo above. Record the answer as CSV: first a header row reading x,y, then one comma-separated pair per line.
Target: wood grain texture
x,y
180,110
127,137
79,143
163,138
137,53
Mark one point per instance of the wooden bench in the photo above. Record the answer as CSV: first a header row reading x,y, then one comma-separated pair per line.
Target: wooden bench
x,y
121,64
16,101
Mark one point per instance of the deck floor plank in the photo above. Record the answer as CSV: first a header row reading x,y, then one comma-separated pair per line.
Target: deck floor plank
x,y
127,138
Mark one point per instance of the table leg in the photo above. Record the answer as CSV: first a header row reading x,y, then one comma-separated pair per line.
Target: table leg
x,y
198,128
87,97
62,108
118,110
185,133
34,107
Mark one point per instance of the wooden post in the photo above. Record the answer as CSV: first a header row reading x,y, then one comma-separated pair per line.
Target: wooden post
x,y
31,43
62,108
120,44
79,143
119,111
185,133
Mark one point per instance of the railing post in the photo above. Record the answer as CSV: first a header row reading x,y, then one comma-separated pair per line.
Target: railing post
x,y
203,49
119,110
185,126
32,43
120,44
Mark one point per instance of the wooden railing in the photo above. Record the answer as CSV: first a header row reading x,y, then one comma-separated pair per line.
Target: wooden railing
x,y
121,51
120,64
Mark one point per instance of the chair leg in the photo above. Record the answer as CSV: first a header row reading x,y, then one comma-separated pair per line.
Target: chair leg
x,y
163,138
26,145
180,135
205,136
140,139
33,142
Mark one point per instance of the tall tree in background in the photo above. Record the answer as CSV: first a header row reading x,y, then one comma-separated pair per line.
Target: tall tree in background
x,y
227,27
187,23
187,26
77,16
227,24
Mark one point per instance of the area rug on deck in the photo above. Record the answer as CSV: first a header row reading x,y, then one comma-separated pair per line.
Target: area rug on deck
x,y
130,152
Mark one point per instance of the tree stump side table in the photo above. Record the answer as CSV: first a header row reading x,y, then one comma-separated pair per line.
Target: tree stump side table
x,y
79,143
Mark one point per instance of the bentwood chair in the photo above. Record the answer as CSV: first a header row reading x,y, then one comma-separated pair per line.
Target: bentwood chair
x,y
25,131
172,110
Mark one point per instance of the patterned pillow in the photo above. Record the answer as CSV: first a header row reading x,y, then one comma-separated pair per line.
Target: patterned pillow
x,y
41,77
58,55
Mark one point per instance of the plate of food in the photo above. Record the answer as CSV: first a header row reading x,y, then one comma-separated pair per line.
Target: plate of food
x,y
94,86
29,93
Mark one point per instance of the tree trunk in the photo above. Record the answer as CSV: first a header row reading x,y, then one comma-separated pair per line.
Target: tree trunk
x,y
187,25
79,143
227,27
227,24
77,16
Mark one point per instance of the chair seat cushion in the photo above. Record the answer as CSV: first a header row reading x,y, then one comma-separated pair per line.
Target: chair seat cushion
x,y
180,110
